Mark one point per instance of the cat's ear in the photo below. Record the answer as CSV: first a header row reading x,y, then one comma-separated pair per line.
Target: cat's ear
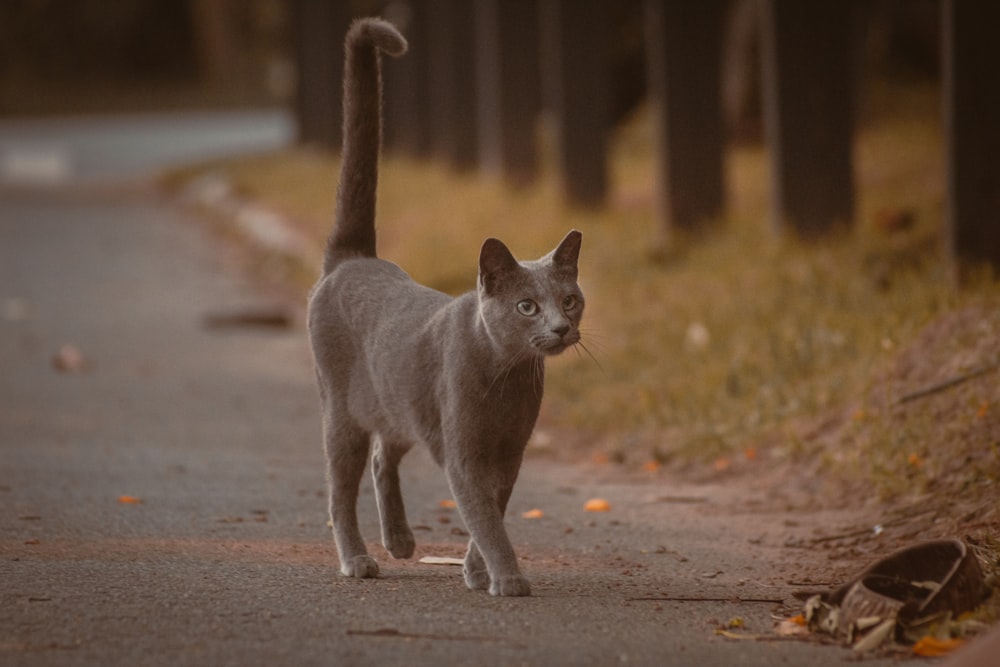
x,y
494,260
567,253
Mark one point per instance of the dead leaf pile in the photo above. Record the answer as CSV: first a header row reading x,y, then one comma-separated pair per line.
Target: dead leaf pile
x,y
919,596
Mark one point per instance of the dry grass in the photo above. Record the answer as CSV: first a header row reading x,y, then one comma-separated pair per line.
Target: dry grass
x,y
734,337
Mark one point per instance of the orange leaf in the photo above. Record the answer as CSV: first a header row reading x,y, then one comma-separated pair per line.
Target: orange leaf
x,y
600,458
597,505
915,460
750,453
984,407
798,620
129,500
651,466
721,464
533,514
930,647
448,503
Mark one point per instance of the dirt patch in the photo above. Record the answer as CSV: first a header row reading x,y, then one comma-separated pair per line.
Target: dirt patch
x,y
916,457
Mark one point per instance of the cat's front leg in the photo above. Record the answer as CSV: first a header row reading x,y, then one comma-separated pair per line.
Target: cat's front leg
x,y
477,577
490,548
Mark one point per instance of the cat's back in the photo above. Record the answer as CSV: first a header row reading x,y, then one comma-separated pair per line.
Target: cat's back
x,y
367,294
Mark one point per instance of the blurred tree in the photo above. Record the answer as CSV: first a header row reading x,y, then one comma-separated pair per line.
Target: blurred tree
x,y
808,112
319,27
509,87
576,48
972,124
213,26
684,48
452,85
95,55
114,40
407,111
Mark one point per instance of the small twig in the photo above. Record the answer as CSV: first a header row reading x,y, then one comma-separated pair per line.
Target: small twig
x,y
949,383
681,500
868,531
396,634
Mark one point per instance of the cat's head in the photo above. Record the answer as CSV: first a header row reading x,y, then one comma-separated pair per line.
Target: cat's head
x,y
531,308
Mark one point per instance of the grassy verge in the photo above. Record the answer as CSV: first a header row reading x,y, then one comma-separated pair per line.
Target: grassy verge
x,y
735,339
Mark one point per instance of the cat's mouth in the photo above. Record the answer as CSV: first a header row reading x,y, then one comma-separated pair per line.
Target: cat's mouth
x,y
552,347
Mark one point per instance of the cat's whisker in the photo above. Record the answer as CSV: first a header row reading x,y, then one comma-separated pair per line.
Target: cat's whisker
x,y
505,372
594,337
590,354
597,344
539,369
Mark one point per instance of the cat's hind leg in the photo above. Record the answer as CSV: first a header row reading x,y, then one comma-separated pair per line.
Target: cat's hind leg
x,y
347,448
397,536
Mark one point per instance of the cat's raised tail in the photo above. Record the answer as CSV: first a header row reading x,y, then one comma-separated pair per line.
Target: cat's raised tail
x,y
353,232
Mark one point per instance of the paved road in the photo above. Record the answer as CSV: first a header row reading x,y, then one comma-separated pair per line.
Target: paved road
x,y
103,149
227,558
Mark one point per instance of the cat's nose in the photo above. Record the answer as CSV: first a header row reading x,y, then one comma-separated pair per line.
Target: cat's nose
x,y
561,330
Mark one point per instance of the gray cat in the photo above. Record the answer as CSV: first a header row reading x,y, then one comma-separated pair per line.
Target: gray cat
x,y
400,364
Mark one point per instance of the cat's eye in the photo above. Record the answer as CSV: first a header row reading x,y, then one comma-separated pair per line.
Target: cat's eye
x,y
527,307
569,302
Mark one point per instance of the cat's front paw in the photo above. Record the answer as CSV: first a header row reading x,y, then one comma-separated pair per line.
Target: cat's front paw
x,y
361,567
476,579
513,585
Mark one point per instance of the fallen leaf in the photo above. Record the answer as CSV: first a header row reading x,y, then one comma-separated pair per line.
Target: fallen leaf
x,y
791,627
267,317
750,453
533,514
876,637
915,460
129,500
651,466
33,541
69,359
735,635
984,408
930,647
597,505
447,504
720,464
600,458
441,560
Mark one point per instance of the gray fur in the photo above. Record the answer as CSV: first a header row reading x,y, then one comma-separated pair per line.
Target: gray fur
x,y
400,364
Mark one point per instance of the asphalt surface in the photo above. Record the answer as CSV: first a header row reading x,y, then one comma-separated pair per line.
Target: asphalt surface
x,y
222,554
